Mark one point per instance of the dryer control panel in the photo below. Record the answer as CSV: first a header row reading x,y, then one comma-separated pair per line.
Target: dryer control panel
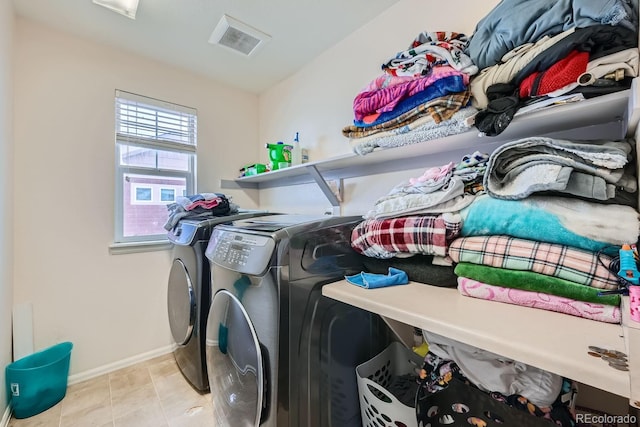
x,y
244,253
184,233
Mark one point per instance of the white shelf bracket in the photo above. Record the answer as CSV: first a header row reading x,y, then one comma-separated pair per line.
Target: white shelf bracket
x,y
326,189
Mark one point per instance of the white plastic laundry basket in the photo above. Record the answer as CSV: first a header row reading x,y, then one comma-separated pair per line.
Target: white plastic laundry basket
x,y
378,407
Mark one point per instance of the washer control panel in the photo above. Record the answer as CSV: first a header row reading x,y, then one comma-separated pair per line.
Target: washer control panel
x,y
245,253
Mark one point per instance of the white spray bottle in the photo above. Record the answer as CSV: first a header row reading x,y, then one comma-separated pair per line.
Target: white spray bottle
x,y
296,153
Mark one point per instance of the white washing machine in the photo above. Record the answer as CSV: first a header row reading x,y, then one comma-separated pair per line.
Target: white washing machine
x,y
189,293
278,352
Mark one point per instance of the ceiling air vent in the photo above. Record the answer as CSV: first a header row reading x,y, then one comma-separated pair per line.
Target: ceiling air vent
x,y
238,36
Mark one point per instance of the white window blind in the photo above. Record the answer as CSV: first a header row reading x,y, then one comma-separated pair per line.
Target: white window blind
x,y
147,122
156,144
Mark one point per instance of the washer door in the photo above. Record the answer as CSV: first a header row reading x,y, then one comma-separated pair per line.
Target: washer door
x,y
181,301
235,364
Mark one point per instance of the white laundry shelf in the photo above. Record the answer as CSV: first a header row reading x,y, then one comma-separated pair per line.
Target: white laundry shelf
x,y
556,342
604,117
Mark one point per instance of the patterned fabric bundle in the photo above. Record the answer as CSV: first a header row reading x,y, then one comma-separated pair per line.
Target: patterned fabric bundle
x,y
534,282
540,300
382,100
435,110
431,49
428,235
447,396
575,265
199,206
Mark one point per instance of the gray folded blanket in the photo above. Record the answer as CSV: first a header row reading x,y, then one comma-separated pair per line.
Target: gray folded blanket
x,y
590,169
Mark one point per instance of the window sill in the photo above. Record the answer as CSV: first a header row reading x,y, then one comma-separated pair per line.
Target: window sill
x,y
135,247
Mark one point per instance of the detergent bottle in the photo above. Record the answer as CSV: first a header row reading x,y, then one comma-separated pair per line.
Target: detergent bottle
x,y
279,155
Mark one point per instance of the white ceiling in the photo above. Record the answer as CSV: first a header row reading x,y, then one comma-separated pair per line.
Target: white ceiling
x,y
177,31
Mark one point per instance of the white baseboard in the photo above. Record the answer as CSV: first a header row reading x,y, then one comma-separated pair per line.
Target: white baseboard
x,y
92,373
105,369
6,417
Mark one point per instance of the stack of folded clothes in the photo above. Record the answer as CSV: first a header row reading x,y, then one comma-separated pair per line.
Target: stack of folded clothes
x,y
412,226
542,234
535,50
535,274
423,94
199,206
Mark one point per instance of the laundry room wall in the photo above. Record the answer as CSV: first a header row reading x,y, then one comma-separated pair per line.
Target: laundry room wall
x,y
6,192
112,307
317,101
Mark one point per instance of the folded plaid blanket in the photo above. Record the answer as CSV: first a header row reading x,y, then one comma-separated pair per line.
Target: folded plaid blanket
x,y
428,235
575,265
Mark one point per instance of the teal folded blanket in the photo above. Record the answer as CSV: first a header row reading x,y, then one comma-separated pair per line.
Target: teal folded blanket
x,y
565,221
536,282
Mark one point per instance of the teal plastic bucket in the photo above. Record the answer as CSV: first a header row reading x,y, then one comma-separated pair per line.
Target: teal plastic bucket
x,y
38,381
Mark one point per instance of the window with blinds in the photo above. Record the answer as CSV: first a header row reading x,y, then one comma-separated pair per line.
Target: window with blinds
x,y
156,145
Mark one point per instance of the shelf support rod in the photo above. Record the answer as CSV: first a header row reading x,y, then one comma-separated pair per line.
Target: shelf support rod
x,y
313,171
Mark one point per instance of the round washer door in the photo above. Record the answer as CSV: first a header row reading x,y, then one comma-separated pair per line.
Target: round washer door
x,y
234,364
181,301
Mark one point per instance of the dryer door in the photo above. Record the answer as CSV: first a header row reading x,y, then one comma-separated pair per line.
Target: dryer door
x,y
235,364
181,301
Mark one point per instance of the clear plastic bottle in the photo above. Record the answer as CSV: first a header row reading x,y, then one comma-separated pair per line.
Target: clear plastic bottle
x,y
296,152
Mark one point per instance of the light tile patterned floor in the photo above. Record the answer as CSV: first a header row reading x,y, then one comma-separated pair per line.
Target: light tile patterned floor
x,y
150,394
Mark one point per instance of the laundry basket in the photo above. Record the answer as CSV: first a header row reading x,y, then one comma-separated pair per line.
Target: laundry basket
x,y
38,381
378,406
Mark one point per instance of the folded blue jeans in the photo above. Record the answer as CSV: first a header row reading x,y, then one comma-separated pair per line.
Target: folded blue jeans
x,y
372,280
